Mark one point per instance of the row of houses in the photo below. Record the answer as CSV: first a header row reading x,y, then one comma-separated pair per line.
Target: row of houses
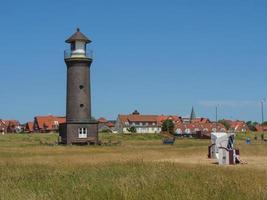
x,y
124,123
45,124
9,126
50,123
237,126
153,124
142,123
41,124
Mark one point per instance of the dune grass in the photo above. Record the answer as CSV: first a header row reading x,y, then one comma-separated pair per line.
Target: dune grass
x,y
32,167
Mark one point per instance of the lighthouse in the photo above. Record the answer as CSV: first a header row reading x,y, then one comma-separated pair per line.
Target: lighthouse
x,y
80,127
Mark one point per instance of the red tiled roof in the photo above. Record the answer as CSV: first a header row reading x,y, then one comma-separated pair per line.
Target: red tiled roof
x,y
110,124
200,120
49,122
102,120
29,126
138,118
12,122
174,118
2,124
204,127
238,126
180,126
158,119
259,127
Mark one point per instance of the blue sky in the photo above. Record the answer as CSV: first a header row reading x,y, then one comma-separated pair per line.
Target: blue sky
x,y
160,57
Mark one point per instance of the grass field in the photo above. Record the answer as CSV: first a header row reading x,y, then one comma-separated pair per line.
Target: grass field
x,y
32,167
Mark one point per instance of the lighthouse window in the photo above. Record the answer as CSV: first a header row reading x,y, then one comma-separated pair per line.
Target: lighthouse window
x,y
82,132
72,46
81,87
81,105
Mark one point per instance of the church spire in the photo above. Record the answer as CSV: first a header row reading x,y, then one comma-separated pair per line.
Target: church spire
x,y
193,114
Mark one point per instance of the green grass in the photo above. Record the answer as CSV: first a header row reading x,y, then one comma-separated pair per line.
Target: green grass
x,y
251,135
32,167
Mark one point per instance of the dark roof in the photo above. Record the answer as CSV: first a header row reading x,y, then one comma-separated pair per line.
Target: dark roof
x,y
78,36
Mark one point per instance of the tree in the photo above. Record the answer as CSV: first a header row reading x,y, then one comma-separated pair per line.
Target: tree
x,y
252,125
264,123
255,123
132,129
225,123
168,126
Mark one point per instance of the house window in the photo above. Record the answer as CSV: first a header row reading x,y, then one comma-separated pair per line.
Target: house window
x,y
82,132
81,87
187,130
179,131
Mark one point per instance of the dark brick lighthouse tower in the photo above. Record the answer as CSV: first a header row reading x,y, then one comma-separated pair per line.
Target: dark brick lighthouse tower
x,y
79,127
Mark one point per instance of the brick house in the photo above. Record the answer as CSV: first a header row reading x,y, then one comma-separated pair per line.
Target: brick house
x,y
201,120
29,127
104,125
12,126
260,128
199,127
3,127
238,126
175,119
46,124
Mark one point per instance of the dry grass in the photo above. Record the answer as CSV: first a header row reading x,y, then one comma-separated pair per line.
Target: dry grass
x,y
31,167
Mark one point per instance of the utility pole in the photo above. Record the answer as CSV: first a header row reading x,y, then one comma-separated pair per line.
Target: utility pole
x,y
216,111
262,116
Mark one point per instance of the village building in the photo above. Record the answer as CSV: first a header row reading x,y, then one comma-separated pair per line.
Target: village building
x,y
195,125
142,123
3,127
29,128
10,126
186,119
201,120
261,128
238,126
194,128
153,124
175,119
111,125
47,124
105,126
213,127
